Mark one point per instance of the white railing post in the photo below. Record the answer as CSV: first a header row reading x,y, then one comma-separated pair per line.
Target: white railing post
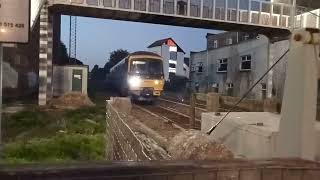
x,y
147,5
260,13
271,13
238,12
175,7
226,10
214,9
132,5
161,6
281,14
201,8
188,8
249,12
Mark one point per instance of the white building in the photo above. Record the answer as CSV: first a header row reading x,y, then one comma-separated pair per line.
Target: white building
x,y
173,57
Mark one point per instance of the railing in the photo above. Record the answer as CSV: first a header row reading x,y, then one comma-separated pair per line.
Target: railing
x,y
255,12
121,142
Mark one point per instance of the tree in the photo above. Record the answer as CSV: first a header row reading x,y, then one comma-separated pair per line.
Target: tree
x,y
63,57
115,57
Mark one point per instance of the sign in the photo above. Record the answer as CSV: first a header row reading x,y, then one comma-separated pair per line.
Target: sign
x,y
14,21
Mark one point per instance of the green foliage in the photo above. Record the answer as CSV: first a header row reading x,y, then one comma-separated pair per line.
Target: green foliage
x,y
62,147
35,135
115,57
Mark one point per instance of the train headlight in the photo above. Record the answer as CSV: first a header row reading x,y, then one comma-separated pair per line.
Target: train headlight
x,y
134,81
156,82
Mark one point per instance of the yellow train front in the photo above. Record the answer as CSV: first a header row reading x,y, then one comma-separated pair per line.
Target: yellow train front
x,y
139,75
145,76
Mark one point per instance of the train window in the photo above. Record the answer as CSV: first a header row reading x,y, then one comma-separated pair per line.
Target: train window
x,y
146,67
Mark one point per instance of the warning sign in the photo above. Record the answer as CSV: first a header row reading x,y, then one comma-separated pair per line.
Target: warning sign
x,y
14,21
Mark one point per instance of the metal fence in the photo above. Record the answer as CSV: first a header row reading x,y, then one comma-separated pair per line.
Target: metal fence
x,y
122,142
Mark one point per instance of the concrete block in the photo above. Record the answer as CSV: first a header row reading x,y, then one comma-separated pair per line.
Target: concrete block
x,y
213,102
241,134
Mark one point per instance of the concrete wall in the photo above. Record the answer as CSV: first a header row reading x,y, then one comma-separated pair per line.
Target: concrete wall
x,y
240,132
279,72
62,79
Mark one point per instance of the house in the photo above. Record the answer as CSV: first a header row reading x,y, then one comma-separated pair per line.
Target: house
x,y
173,58
234,61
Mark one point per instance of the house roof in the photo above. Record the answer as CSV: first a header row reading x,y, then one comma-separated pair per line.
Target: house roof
x,y
165,41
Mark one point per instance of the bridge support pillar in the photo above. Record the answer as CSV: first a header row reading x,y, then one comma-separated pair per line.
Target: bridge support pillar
x,y
298,115
49,46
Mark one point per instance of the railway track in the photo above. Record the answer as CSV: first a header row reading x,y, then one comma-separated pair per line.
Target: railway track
x,y
179,119
182,101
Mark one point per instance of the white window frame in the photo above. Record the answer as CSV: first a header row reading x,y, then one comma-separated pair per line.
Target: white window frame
x,y
220,62
230,85
200,64
215,44
246,60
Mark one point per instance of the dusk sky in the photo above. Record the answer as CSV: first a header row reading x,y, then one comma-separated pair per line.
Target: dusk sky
x,y
96,38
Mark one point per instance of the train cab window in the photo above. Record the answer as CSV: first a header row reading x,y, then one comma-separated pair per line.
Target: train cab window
x,y
146,67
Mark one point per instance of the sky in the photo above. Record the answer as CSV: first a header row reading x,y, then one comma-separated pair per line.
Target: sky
x,y
96,38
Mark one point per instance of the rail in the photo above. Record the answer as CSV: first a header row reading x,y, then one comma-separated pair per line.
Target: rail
x,y
249,12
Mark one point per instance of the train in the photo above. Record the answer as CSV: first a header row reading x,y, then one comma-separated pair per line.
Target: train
x,y
139,76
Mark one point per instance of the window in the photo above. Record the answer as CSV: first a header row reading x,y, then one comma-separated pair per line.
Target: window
x,y
229,41
215,44
263,86
246,37
171,65
229,85
173,55
245,63
193,69
222,65
200,67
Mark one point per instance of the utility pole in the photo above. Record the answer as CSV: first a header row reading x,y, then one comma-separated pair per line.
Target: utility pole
x,y
1,73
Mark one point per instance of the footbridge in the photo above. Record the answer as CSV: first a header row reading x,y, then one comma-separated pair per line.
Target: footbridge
x,y
273,19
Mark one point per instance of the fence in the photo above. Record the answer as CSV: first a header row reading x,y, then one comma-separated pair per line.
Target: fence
x,y
169,170
122,143
216,102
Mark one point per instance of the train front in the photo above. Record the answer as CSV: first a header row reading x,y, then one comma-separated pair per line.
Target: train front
x,y
145,77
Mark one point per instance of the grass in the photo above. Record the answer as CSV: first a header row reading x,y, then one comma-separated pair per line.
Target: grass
x,y
36,135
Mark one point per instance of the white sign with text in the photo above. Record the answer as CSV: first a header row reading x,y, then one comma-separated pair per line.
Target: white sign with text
x,y
14,21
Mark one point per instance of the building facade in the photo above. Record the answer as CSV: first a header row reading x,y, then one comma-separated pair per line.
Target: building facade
x,y
234,61
173,58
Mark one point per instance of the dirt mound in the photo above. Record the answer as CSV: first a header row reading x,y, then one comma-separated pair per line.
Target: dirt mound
x,y
71,100
195,145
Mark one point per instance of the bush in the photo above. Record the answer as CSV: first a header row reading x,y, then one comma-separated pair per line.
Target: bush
x,y
62,147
